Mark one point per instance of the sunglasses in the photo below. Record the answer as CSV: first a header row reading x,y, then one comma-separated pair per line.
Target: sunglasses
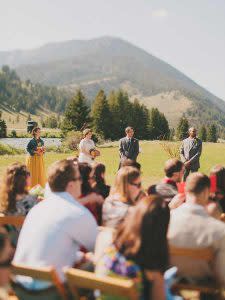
x,y
138,185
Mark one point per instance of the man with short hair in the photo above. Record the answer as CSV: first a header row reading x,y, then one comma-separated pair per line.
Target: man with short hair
x,y
174,171
129,146
56,228
192,227
190,152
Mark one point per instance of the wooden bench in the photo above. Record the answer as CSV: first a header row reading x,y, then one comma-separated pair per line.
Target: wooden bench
x,y
16,221
78,279
205,254
45,273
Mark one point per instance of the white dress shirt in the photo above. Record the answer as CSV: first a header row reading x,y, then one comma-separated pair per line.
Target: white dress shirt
x,y
52,235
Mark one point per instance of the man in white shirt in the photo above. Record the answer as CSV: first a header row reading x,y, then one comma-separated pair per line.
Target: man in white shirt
x,y
56,228
192,227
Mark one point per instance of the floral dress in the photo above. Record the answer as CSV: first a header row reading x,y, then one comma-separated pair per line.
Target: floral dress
x,y
115,264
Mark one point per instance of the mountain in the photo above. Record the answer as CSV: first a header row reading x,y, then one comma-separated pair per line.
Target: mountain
x,y
112,63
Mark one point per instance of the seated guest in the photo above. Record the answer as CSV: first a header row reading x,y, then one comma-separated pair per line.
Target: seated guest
x,y
140,249
14,197
55,229
174,171
192,227
98,180
123,196
219,172
90,198
130,163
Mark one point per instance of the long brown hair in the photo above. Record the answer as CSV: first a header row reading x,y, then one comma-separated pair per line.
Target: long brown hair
x,y
145,230
125,176
14,183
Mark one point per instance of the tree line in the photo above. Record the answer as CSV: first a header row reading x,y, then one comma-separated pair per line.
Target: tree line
x,y
206,134
109,116
24,95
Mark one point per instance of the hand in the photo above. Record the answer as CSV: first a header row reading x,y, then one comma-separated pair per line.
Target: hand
x,y
187,164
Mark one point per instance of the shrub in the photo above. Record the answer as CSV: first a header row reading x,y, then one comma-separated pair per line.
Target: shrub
x,y
72,140
8,150
171,149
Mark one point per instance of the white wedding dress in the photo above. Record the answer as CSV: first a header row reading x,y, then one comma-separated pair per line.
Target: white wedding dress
x,y
85,146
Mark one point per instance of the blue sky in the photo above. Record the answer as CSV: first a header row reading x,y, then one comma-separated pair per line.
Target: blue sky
x,y
188,34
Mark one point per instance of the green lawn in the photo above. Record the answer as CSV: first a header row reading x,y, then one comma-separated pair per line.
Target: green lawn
x,y
151,158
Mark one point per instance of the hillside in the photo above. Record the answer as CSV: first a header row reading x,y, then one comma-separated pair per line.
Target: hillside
x,y
18,95
112,63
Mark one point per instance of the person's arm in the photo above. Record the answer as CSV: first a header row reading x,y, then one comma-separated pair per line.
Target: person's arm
x,y
177,201
31,148
136,149
121,149
183,159
158,285
197,155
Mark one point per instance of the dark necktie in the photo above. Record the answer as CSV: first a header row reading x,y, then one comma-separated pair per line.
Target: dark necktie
x,y
129,143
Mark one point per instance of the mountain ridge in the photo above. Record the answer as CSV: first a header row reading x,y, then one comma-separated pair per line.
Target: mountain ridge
x,y
112,63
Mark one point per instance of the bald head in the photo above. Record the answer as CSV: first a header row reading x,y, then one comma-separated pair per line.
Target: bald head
x,y
192,132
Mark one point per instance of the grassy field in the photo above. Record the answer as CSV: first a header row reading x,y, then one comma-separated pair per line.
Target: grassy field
x,y
152,159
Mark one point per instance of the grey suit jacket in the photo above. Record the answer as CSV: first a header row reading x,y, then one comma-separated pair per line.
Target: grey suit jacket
x,y
191,227
128,151
191,149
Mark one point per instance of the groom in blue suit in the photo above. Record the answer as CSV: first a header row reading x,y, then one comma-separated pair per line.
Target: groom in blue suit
x,y
129,146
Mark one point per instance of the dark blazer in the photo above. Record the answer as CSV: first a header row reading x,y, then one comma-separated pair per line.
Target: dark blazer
x,y
129,151
191,150
33,144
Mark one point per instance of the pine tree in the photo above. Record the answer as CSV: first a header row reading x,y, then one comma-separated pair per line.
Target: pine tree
x,y
77,113
203,133
212,134
120,108
3,129
139,119
158,125
101,116
182,129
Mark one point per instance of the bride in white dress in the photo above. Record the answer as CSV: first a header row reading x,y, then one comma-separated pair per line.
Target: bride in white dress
x,y
87,148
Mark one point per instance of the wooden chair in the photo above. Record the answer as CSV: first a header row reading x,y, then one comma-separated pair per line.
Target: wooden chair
x,y
205,254
16,221
77,279
44,273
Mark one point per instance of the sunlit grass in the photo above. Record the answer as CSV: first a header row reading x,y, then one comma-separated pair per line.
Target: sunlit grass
x,y
152,159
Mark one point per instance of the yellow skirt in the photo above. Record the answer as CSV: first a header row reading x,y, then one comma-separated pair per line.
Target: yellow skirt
x,y
36,167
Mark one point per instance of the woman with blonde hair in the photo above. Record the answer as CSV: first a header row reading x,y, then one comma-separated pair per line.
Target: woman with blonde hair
x,y
35,159
87,148
124,195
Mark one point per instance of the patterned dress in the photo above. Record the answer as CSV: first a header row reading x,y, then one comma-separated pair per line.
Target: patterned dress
x,y
115,264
